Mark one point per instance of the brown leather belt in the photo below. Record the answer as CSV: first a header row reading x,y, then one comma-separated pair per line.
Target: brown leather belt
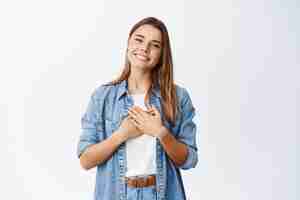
x,y
141,181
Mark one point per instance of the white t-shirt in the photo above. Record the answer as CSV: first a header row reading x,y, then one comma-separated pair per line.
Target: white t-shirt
x,y
141,151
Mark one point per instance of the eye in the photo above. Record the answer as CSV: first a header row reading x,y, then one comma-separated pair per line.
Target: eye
x,y
156,46
138,40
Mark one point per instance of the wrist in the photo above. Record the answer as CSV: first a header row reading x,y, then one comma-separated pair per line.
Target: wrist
x,y
121,136
162,132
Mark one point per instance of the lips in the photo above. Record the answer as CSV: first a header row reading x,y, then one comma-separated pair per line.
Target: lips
x,y
141,57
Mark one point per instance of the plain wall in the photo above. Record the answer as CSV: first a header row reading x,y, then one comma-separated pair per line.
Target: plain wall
x,y
238,59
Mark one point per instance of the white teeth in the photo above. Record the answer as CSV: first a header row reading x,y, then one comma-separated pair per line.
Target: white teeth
x,y
141,57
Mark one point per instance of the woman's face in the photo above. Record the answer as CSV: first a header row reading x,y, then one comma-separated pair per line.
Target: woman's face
x,y
144,47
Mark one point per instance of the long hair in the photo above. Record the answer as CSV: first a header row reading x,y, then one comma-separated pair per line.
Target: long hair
x,y
161,74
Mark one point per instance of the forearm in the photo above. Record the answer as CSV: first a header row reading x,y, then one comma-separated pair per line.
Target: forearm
x,y
176,150
100,152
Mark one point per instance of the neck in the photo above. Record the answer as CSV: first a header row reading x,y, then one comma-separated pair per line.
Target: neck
x,y
139,81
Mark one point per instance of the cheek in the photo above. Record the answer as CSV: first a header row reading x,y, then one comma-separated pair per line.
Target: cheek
x,y
132,47
133,44
156,55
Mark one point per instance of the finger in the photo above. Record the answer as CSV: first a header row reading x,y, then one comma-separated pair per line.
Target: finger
x,y
142,112
137,108
149,107
135,123
139,111
135,114
134,110
131,118
151,112
154,109
132,115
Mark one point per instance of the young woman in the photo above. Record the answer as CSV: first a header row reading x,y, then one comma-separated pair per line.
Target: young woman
x,y
138,130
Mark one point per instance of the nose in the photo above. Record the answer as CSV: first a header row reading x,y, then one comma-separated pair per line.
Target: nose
x,y
145,47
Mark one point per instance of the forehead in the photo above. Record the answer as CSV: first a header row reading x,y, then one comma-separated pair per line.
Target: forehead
x,y
149,32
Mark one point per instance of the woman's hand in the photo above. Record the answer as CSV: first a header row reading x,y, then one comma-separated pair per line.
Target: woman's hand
x,y
149,122
128,129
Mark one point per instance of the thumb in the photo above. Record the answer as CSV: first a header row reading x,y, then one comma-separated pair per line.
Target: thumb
x,y
155,110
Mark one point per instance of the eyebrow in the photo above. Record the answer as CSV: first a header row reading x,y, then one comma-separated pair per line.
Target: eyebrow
x,y
139,35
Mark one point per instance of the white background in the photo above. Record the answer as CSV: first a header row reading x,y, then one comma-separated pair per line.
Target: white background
x,y
238,59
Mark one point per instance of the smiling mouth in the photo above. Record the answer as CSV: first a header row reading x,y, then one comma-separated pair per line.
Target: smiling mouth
x,y
141,57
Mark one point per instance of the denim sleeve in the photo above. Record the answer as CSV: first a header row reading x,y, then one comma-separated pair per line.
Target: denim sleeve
x,y
89,122
187,132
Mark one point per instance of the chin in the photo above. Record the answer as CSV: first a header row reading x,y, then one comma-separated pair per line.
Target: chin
x,y
140,66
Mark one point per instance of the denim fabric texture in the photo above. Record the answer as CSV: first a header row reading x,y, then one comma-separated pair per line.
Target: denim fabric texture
x,y
143,193
107,108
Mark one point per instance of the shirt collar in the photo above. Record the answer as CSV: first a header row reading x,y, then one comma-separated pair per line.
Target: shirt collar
x,y
123,89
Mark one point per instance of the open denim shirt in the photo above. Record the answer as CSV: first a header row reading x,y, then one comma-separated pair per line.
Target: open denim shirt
x,y
107,108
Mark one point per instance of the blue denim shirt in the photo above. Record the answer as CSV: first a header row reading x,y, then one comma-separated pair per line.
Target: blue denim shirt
x,y
107,108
